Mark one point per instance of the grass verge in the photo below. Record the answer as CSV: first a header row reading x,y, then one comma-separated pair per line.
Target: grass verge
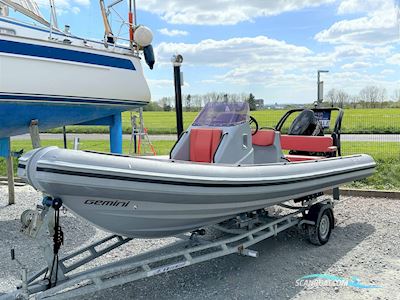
x,y
367,121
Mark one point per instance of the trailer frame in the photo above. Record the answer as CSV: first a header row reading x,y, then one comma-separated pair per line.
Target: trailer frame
x,y
237,235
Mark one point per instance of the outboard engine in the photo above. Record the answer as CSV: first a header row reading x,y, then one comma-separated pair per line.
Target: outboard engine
x,y
306,124
149,56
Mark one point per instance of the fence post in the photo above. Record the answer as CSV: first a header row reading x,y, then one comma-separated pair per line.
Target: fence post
x,y
34,132
10,178
5,151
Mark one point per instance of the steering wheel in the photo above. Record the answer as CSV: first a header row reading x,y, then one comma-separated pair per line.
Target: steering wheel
x,y
251,122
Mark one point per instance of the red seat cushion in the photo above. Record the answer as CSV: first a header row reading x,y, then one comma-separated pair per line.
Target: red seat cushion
x,y
204,143
295,158
264,138
307,143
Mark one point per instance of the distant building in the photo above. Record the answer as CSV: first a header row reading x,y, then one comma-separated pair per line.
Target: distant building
x,y
276,106
259,103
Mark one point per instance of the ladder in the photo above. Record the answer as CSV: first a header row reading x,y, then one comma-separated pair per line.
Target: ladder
x,y
140,143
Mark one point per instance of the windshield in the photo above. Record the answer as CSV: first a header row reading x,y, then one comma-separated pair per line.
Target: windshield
x,y
223,114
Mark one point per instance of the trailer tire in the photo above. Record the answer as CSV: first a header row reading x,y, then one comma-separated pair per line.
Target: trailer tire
x,y
322,215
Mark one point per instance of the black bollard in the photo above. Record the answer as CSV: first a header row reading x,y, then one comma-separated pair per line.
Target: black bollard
x,y
177,62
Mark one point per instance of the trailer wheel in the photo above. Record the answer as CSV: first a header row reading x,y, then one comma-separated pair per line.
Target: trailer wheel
x,y
322,215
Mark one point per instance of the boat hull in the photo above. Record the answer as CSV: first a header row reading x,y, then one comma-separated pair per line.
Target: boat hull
x,y
17,116
38,68
143,197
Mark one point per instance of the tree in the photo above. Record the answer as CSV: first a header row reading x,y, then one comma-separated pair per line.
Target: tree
x,y
188,102
396,95
197,102
338,97
166,103
371,95
353,101
252,102
152,106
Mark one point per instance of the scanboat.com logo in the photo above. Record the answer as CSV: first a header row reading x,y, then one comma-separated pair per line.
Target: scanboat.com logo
x,y
326,280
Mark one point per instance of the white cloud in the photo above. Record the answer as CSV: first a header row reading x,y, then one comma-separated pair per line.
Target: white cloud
x,y
379,26
223,12
388,72
279,69
82,2
394,60
222,53
359,51
247,60
173,32
352,82
65,6
163,83
359,6
357,65
76,10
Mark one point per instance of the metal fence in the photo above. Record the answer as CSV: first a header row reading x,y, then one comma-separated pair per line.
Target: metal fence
x,y
372,131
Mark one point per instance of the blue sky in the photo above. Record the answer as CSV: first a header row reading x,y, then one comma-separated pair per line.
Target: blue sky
x,y
271,48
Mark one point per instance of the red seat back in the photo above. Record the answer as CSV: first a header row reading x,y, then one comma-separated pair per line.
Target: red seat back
x,y
307,143
204,143
264,138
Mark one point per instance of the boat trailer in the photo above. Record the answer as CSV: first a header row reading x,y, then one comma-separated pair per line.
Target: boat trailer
x,y
236,235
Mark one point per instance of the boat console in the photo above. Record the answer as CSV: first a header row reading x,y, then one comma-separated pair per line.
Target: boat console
x,y
222,134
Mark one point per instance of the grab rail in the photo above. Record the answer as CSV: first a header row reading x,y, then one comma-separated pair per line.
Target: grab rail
x,y
219,144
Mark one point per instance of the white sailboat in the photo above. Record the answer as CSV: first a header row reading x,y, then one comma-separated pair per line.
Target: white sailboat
x,y
46,71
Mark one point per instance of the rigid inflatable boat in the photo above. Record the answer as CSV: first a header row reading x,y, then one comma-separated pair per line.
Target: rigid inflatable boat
x,y
220,167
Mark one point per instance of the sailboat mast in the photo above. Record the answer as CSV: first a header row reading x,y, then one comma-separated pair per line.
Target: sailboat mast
x,y
53,13
134,12
130,19
27,11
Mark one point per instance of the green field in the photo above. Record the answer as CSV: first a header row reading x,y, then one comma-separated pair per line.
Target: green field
x,y
387,156
354,121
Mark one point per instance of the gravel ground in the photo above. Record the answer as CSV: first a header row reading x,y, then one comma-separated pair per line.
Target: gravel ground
x,y
365,243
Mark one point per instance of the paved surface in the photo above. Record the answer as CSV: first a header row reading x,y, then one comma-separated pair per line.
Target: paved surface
x,y
169,137
365,243
371,137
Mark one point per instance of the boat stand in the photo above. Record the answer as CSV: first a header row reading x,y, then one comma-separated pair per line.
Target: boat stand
x,y
235,236
5,151
34,133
